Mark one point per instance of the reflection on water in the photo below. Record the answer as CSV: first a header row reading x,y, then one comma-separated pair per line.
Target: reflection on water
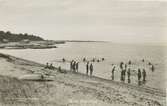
x,y
113,54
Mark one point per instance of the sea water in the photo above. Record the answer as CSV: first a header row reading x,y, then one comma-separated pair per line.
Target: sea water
x,y
112,53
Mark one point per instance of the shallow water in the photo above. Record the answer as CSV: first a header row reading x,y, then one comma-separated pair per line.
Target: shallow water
x,y
113,54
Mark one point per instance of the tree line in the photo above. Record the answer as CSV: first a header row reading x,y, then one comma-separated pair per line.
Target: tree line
x,y
12,37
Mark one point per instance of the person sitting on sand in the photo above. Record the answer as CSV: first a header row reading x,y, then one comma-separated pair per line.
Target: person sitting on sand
x,y
47,65
51,66
102,59
91,69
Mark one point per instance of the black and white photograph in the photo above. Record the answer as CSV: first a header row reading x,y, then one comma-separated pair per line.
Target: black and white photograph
x,y
83,52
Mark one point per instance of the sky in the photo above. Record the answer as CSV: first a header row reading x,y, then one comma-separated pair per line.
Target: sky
x,y
104,20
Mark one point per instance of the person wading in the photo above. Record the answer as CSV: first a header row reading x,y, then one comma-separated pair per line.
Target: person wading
x,y
121,65
128,73
152,68
77,66
87,68
74,66
144,75
71,64
63,60
112,76
126,66
84,59
129,62
139,76
121,75
124,74
91,69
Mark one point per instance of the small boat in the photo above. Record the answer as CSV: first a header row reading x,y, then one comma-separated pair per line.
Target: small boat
x,y
37,77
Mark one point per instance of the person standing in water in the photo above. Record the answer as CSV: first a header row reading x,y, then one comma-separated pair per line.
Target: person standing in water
x,y
126,66
93,60
84,59
124,74
143,60
87,68
77,66
71,64
129,62
152,68
128,73
112,76
63,60
144,75
121,75
91,69
121,65
74,66
139,76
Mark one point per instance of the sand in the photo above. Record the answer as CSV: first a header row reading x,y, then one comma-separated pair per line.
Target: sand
x,y
21,85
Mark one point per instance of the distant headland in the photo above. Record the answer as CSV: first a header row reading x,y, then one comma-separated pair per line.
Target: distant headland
x,y
10,40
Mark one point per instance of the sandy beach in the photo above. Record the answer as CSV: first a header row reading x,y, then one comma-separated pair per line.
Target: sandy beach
x,y
21,85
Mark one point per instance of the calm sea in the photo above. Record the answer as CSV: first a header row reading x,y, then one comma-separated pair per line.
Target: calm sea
x,y
113,54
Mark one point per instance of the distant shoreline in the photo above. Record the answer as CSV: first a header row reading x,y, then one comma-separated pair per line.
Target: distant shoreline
x,y
82,41
46,44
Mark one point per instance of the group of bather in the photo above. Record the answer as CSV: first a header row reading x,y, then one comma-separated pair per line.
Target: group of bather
x,y
125,70
94,60
74,65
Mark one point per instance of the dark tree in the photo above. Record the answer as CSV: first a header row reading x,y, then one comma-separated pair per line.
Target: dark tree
x,y
11,37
